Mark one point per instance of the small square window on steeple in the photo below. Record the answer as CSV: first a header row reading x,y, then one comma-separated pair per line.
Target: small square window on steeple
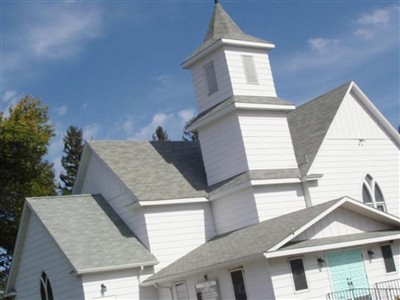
x,y
211,78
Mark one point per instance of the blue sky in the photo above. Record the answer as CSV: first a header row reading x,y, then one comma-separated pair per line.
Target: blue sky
x,y
113,67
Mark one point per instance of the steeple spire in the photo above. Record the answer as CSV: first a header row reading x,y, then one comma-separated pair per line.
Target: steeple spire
x,y
221,26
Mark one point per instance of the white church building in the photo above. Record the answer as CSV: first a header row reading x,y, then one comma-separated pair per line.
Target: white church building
x,y
273,202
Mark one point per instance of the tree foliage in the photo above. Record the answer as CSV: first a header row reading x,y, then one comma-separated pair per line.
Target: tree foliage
x,y
160,134
189,136
73,147
24,140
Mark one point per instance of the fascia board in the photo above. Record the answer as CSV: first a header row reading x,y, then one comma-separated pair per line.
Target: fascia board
x,y
309,224
19,244
353,243
172,201
210,268
375,112
116,268
83,164
277,107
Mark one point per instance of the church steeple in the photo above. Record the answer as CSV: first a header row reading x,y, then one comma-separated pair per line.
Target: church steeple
x,y
239,111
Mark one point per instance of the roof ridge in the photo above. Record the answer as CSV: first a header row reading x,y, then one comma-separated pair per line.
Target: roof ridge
x,y
61,196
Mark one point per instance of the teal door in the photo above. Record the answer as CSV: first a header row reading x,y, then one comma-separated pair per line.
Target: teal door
x,y
346,270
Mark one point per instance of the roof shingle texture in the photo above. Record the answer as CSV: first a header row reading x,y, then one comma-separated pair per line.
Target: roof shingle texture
x,y
242,243
309,124
222,26
89,232
156,170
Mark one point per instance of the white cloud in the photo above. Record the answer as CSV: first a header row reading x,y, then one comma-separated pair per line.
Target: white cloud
x,y
377,17
62,110
186,115
348,49
90,131
146,132
49,31
320,44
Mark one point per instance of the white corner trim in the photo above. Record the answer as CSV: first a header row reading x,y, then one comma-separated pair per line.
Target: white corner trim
x,y
171,201
258,106
280,253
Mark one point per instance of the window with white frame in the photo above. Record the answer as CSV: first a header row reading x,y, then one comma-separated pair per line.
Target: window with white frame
x,y
46,292
387,255
249,69
239,287
211,78
372,193
299,274
181,290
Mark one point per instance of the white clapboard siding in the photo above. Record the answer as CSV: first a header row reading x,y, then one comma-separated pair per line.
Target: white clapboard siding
x,y
375,267
267,140
100,179
234,211
276,200
341,222
120,284
41,253
222,149
204,100
175,230
355,146
265,86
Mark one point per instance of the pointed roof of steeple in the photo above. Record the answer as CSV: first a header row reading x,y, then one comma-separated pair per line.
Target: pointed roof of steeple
x,y
222,26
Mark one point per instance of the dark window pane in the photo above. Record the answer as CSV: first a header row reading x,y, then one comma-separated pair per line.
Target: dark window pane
x,y
378,194
365,194
211,78
299,276
238,285
42,291
49,291
388,258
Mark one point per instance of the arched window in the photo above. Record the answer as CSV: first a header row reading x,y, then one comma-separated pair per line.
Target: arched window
x,y
372,194
46,292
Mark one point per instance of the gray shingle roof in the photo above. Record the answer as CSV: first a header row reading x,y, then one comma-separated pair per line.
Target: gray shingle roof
x,y
90,233
245,242
156,170
310,122
239,99
222,26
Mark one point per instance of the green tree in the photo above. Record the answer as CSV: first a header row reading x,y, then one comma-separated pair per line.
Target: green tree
x,y
160,134
24,138
73,147
189,136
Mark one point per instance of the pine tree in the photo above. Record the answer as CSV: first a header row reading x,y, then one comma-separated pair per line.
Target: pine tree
x,y
73,147
160,134
189,136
